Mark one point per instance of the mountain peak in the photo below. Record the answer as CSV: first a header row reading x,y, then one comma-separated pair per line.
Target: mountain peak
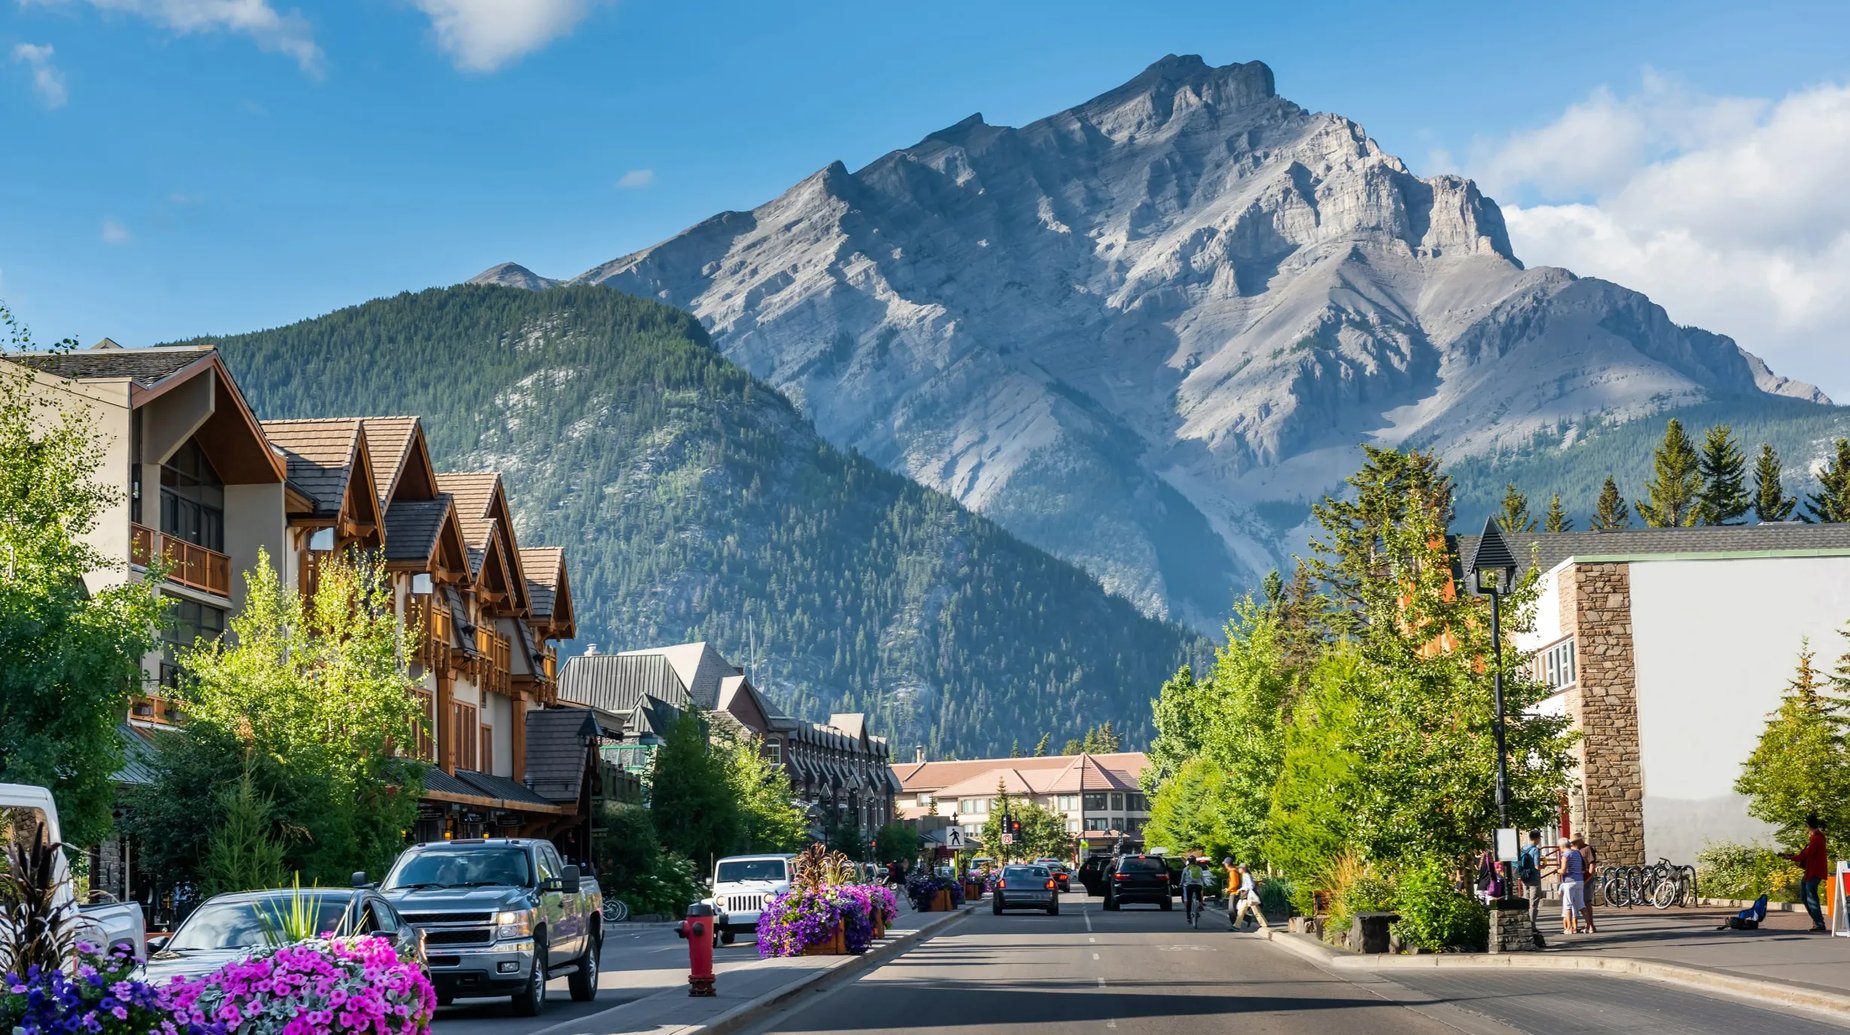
x,y
513,274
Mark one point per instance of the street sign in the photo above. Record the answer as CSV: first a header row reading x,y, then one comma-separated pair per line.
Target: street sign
x,y
1509,845
1008,839
954,837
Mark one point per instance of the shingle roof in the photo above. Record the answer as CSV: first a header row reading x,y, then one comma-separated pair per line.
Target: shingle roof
x,y
1548,549
412,527
500,787
542,565
146,367
387,439
474,492
320,455
1123,766
556,752
441,782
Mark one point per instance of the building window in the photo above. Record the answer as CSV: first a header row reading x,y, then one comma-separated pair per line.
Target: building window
x,y
1555,665
1097,823
774,750
1072,826
193,499
188,622
463,735
1095,801
1117,800
1067,802
924,800
488,748
1135,802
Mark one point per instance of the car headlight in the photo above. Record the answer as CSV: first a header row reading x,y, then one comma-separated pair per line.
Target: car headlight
x,y
513,925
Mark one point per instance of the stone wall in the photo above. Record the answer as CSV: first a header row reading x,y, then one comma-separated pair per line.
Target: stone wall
x,y
1596,605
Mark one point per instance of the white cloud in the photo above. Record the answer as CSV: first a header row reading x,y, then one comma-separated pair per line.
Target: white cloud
x,y
47,81
114,232
483,35
1732,213
272,30
636,179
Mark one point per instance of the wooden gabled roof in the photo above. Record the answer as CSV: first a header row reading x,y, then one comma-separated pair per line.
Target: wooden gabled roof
x,y
424,535
549,592
400,458
481,504
329,462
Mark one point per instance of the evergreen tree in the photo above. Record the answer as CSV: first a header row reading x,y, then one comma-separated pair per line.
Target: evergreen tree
x,y
1101,739
1610,512
1355,557
1724,478
1040,746
1514,517
1675,489
243,851
70,657
1832,500
1556,520
1802,763
1015,748
1770,500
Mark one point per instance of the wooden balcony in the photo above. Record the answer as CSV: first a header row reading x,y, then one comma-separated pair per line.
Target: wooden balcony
x,y
187,564
434,645
497,664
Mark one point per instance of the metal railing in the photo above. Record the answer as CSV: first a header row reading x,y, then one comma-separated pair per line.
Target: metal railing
x,y
188,564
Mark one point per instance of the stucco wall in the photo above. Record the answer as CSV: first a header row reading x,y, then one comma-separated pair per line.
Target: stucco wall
x,y
499,711
1716,643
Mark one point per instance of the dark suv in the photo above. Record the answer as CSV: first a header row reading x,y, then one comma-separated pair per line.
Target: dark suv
x,y
1139,878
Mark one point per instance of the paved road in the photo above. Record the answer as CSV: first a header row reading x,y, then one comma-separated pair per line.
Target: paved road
x,y
1142,971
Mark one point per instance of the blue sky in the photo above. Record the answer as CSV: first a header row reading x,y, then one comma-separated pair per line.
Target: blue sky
x,y
172,174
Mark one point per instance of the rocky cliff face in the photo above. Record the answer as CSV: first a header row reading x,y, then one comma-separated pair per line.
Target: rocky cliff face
x,y
1143,332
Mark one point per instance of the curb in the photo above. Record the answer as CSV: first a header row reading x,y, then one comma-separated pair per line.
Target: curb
x,y
1755,989
739,1016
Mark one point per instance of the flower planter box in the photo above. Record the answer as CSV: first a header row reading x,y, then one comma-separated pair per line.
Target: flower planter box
x,y
972,891
837,946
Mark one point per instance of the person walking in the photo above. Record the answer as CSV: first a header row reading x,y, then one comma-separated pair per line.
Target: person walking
x,y
1249,900
1571,867
1589,862
1232,889
1816,860
1529,871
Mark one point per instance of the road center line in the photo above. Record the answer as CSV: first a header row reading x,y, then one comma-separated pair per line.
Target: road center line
x,y
1101,982
1087,913
1095,955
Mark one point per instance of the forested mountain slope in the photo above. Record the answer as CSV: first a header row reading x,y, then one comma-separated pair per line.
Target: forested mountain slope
x,y
695,502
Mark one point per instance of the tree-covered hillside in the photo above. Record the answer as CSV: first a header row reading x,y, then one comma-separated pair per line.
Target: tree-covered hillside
x,y
696,503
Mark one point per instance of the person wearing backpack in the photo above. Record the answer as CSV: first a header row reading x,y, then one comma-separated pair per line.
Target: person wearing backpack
x,y
1529,871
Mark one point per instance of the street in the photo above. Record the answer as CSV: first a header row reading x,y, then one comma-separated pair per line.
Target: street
x,y
1141,970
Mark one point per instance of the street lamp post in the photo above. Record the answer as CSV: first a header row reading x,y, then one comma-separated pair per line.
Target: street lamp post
x,y
1494,568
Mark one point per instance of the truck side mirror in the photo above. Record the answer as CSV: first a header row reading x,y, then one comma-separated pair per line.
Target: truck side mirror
x,y
157,943
571,877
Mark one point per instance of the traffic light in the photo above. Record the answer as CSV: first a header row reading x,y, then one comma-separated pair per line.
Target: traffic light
x,y
1014,826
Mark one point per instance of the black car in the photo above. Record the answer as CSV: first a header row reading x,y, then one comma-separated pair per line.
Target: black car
x,y
1139,878
1094,872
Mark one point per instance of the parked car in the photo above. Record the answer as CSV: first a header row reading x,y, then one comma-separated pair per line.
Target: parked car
x,y
1139,878
28,813
1061,874
1094,872
738,889
226,928
500,916
1026,886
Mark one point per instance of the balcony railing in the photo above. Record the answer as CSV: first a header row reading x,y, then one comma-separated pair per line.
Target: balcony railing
x,y
438,635
497,660
188,564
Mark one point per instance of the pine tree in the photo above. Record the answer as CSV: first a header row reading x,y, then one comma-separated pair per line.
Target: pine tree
x,y
1514,518
1675,488
1040,746
1724,478
1800,765
1832,501
1556,520
1610,512
1770,500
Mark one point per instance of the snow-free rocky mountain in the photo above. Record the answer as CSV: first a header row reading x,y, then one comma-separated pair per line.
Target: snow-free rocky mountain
x,y
1144,332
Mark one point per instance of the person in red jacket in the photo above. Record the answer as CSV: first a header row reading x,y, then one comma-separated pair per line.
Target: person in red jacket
x,y
1817,863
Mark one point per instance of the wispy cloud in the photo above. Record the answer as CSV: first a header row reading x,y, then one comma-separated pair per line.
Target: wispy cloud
x,y
636,179
47,81
1728,211
279,32
484,35
114,232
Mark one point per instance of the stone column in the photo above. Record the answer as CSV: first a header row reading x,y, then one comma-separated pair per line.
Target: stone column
x,y
1511,930
1604,707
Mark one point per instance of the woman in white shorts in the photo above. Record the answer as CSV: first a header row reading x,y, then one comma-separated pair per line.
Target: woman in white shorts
x,y
1572,869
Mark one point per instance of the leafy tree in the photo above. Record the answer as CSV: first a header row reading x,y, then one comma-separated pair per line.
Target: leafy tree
x,y
1802,763
1514,517
317,689
691,782
1310,817
1724,478
1610,512
70,657
1181,712
1255,689
1556,520
768,813
1674,492
1043,831
1832,500
1354,558
1770,500
243,852
897,841
1190,810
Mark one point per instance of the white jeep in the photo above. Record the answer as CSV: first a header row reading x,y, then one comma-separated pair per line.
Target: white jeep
x,y
740,887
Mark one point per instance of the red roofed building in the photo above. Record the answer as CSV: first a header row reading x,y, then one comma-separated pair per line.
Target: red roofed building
x,y
1099,795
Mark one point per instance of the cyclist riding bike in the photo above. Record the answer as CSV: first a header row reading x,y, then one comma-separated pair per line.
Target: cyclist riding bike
x,y
1194,886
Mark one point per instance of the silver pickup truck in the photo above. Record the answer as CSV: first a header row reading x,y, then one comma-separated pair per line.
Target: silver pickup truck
x,y
28,812
500,916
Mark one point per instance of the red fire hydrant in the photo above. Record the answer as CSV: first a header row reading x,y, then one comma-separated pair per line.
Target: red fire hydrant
x,y
698,930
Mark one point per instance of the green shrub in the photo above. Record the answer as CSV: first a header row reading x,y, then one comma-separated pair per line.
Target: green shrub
x,y
1746,872
1369,892
1434,915
1277,895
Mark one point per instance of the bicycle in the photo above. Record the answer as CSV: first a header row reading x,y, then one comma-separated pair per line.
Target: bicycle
x,y
615,911
1194,903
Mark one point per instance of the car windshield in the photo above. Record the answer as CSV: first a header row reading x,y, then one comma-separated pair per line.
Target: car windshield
x,y
740,871
1141,866
253,924
1025,873
461,869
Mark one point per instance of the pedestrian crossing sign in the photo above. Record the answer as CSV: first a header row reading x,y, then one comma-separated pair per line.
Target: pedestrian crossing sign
x,y
1840,908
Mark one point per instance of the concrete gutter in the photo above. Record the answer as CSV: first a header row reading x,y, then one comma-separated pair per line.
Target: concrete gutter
x,y
1700,979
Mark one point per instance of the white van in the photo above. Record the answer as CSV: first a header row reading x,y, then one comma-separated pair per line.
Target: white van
x,y
28,813
740,886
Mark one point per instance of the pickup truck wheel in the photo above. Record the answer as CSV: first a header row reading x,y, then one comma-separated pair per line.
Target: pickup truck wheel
x,y
583,981
531,1001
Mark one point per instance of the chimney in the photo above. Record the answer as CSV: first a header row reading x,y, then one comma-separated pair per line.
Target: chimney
x,y
921,756
590,650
